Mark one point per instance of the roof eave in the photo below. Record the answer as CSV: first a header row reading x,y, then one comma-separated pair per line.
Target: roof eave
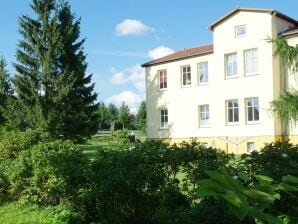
x,y
148,64
271,11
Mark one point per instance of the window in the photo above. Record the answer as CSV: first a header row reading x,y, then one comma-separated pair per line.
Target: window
x,y
250,147
203,72
240,31
164,119
231,65
186,75
251,61
163,82
232,111
205,145
204,115
252,109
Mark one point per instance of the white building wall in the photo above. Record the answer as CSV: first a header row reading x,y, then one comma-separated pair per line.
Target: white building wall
x,y
182,102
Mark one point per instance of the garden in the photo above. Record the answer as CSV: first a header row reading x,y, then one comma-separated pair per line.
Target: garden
x,y
52,181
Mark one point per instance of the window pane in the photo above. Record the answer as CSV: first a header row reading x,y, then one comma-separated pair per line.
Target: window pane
x,y
256,113
230,115
250,114
236,115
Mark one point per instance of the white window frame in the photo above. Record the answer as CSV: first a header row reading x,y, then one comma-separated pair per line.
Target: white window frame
x,y
251,147
163,77
255,104
164,118
203,71
237,28
186,75
204,115
235,109
251,61
233,62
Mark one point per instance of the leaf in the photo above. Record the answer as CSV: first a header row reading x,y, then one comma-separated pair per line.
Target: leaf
x,y
264,179
233,199
258,214
263,198
290,179
218,177
240,212
287,188
206,192
211,184
243,176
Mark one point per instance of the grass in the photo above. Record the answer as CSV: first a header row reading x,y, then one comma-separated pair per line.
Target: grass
x,y
14,213
106,141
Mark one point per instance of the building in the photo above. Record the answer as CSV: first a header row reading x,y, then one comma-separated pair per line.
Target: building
x,y
220,93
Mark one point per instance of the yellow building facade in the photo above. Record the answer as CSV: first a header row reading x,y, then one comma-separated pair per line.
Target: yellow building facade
x,y
221,93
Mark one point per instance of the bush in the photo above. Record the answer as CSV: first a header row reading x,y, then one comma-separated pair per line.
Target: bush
x,y
59,171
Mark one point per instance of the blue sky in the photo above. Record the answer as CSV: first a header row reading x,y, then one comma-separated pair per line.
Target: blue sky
x,y
122,34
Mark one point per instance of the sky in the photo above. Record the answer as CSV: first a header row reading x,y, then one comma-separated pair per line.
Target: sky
x,y
123,34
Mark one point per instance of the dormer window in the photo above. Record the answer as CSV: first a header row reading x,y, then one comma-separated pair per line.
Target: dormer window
x,y
240,31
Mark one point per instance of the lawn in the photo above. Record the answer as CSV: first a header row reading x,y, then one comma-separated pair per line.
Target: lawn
x,y
13,213
106,141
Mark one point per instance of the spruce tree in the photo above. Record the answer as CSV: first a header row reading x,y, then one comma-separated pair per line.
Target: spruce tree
x,y
123,116
54,91
141,117
5,90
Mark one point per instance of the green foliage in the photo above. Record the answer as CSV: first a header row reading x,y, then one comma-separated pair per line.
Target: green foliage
x,y
287,104
245,202
47,173
141,117
54,92
103,115
59,170
123,116
5,90
11,213
113,115
288,53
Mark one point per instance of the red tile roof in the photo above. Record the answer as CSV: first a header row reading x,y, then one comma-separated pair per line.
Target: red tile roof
x,y
186,53
238,9
293,30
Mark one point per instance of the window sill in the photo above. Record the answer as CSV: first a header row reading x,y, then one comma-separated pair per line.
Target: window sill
x,y
252,74
186,86
233,124
203,84
232,77
164,89
207,126
163,129
253,122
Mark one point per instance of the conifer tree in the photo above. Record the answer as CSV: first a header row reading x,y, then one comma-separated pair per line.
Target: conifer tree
x,y
113,115
5,90
141,117
123,116
55,93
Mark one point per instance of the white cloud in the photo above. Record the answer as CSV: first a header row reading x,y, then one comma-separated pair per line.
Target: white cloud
x,y
132,27
118,78
159,52
134,75
131,99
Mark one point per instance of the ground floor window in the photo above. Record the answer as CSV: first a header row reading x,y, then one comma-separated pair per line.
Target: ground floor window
x,y
250,147
204,115
163,118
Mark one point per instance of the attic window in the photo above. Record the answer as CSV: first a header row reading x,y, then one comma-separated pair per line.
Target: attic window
x,y
240,31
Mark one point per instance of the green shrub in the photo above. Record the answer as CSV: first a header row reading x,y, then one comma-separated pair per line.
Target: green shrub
x,y
13,143
59,171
